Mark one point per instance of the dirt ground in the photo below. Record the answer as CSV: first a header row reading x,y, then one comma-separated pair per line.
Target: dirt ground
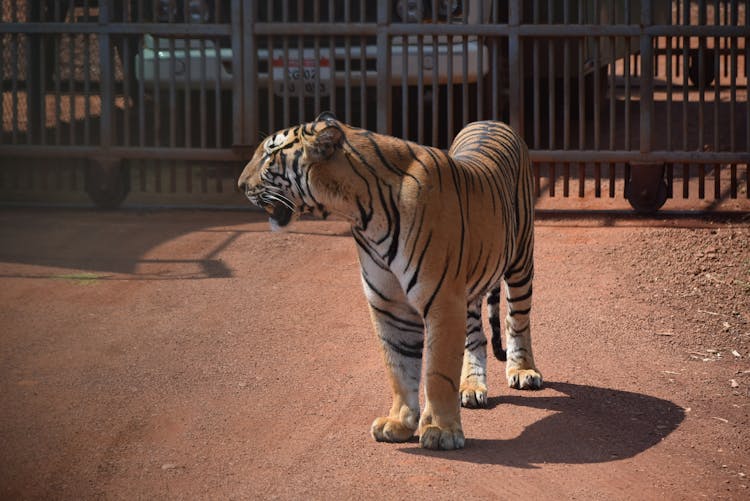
x,y
196,355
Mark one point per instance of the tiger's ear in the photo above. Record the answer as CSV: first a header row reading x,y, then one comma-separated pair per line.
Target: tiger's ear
x,y
323,143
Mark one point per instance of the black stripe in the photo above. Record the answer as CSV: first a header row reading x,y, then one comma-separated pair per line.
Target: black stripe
x,y
517,299
520,283
375,289
413,280
434,293
443,376
393,248
476,344
397,319
513,313
403,351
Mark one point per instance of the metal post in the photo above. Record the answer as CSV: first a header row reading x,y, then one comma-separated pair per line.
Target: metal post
x,y
35,85
249,81
647,188
647,80
106,82
384,69
515,67
238,61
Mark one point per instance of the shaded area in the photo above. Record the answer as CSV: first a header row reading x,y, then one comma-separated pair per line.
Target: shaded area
x,y
590,425
113,244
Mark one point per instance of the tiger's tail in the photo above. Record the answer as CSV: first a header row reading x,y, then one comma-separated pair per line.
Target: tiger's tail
x,y
493,311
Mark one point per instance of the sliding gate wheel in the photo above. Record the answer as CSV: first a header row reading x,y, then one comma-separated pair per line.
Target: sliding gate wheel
x,y
107,182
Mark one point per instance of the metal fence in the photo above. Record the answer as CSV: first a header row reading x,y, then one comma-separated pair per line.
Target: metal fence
x,y
637,100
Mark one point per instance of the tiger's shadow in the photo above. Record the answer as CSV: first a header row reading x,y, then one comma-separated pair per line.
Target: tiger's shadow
x,y
590,425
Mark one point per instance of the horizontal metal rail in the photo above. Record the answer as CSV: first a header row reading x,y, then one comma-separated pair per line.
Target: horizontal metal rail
x,y
661,156
371,29
139,152
166,29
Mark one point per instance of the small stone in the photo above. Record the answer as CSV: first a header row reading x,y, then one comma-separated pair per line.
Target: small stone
x,y
168,466
733,383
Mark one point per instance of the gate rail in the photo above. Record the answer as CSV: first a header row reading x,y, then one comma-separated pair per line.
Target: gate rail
x,y
646,99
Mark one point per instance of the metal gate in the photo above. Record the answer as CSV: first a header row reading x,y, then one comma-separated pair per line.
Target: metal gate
x,y
619,101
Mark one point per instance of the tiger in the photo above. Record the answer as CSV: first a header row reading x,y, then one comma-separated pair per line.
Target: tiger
x,y
436,232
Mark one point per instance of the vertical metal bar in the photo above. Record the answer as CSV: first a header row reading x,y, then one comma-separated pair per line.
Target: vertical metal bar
x,y
57,77
717,80
217,97
405,133
449,92
536,76
701,78
285,65
125,60
202,104
702,15
515,66
42,83
480,71
597,96
669,76
612,108
551,81
348,68
301,68
363,69
250,109
384,68
106,77
436,88
332,54
566,80
465,81
581,86
34,84
420,90
647,80
496,66
685,81
747,107
16,42
733,81
271,97
186,84
71,93
316,50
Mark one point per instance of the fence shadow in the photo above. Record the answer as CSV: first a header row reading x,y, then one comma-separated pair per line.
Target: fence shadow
x,y
590,425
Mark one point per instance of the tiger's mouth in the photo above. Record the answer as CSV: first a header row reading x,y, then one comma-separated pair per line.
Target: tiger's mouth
x,y
280,214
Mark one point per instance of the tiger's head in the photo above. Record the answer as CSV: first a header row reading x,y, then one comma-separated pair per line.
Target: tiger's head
x,y
277,177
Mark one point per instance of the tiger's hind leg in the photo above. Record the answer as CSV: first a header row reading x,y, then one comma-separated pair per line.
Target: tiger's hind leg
x,y
474,371
520,369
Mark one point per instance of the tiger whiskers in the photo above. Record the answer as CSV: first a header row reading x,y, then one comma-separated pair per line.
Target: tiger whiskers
x,y
278,197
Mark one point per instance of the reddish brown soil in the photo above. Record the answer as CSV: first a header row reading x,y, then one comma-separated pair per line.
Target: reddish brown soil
x,y
196,355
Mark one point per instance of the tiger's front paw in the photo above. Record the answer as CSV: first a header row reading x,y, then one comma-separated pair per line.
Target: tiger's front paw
x,y
524,379
436,438
388,429
473,395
